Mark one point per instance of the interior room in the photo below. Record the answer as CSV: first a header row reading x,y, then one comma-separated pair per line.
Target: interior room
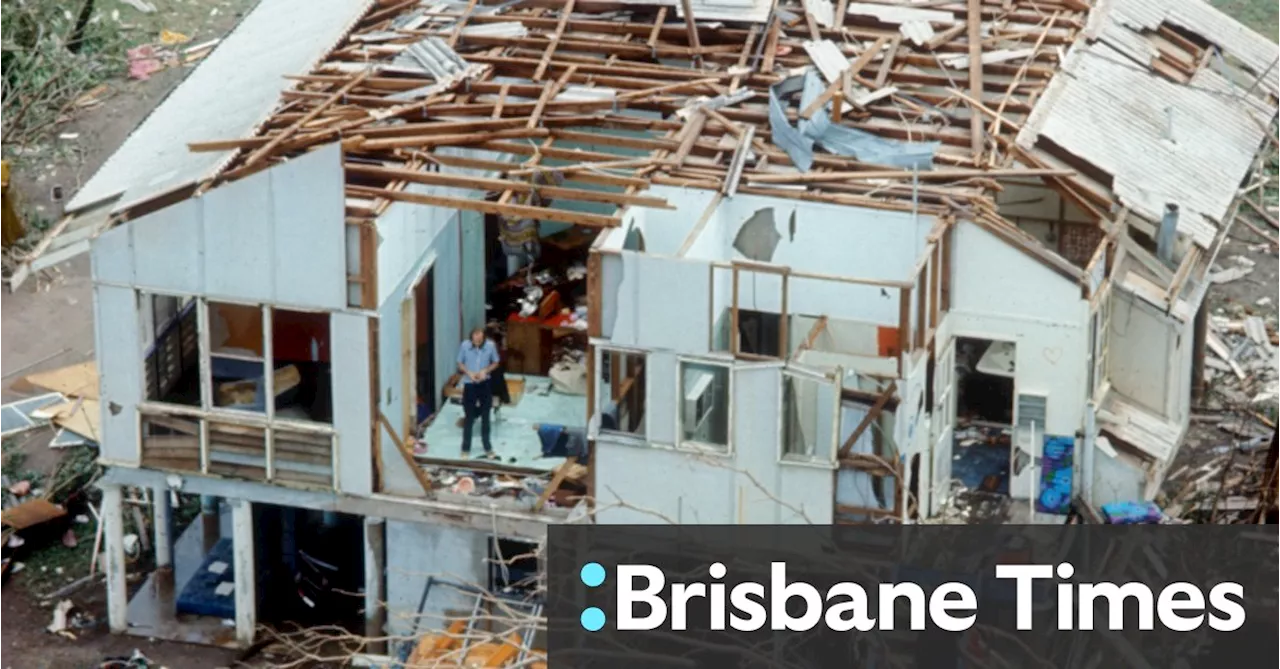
x,y
985,371
301,380
536,315
171,357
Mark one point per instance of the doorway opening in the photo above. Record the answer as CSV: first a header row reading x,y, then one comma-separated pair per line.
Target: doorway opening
x,y
424,358
985,371
418,360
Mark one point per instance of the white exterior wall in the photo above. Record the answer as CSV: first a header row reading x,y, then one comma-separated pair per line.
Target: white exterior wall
x,y
415,552
660,483
277,237
668,306
1002,294
1150,356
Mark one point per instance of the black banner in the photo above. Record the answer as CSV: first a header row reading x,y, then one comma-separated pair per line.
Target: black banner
x,y
1086,596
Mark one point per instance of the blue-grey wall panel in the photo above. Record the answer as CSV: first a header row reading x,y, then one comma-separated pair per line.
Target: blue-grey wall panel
x,y
166,248
237,241
310,230
119,361
351,418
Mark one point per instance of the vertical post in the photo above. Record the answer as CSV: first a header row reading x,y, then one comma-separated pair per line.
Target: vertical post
x,y
163,521
375,557
210,521
245,570
112,517
733,320
975,74
1199,335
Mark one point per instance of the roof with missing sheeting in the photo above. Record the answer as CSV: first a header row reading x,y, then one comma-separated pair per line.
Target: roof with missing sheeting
x,y
1148,98
231,92
619,96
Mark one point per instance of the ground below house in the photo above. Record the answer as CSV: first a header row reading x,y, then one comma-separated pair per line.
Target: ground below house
x,y
49,324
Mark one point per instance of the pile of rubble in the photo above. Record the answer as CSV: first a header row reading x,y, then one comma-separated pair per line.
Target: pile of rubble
x,y
1237,480
1242,367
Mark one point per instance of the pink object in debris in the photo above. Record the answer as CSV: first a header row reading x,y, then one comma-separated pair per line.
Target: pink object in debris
x,y
20,488
143,62
69,539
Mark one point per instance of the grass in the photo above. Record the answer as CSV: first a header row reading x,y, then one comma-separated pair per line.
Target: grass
x,y
1261,15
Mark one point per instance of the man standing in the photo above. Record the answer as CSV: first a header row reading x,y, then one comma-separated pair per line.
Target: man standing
x,y
477,358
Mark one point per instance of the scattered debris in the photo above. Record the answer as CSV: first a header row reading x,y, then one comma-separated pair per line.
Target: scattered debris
x,y
59,624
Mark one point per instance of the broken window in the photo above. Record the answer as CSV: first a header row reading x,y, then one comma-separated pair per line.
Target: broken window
x,y
170,349
622,392
704,404
808,417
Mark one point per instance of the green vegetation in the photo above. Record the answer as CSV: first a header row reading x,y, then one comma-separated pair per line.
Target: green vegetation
x,y
1261,15
53,53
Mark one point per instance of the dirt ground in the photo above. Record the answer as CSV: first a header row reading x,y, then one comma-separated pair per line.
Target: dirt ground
x,y
49,324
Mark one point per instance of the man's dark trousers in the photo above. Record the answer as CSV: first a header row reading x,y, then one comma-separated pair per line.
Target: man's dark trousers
x,y
477,399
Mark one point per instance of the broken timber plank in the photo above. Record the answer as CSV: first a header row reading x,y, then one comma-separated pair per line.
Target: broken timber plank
x,y
866,421
484,206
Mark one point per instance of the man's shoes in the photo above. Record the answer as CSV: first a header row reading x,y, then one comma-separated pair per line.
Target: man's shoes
x,y
488,455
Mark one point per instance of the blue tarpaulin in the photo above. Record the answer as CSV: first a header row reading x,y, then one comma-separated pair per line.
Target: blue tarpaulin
x,y
834,138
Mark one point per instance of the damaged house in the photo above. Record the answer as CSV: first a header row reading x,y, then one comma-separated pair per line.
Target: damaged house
x,y
759,262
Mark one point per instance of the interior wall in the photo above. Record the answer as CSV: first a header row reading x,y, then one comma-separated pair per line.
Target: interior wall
x,y
442,255
656,302
350,388
417,551
664,230
275,237
747,486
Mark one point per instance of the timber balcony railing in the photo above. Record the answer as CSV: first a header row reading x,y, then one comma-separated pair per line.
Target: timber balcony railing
x,y
182,439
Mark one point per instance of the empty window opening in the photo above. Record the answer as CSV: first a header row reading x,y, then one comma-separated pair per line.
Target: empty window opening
x,y
622,392
704,404
759,333
236,357
984,379
513,567
170,353
300,350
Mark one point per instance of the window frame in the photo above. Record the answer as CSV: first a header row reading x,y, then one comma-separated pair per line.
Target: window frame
x,y
698,446
817,458
602,352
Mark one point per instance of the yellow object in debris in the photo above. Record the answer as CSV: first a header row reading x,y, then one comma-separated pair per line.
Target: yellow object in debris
x,y
13,230
170,37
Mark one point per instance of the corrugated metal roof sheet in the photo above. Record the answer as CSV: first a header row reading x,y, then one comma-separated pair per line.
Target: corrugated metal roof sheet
x,y
1161,141
1255,51
229,94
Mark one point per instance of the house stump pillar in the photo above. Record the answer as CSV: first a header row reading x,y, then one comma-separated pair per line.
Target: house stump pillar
x,y
112,517
245,570
163,522
375,560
